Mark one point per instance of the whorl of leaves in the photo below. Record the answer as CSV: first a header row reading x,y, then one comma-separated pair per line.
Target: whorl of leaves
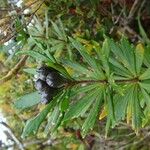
x,y
114,78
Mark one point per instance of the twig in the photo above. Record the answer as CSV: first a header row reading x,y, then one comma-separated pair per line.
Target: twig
x,y
134,80
135,143
15,70
20,145
21,27
134,8
141,7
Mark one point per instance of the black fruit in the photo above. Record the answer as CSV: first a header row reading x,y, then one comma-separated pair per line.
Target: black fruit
x,y
40,84
55,80
43,72
47,94
49,82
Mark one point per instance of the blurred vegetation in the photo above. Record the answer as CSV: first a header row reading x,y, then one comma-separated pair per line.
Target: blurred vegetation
x,y
88,42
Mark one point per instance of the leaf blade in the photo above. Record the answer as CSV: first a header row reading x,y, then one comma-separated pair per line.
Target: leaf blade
x,y
28,100
33,124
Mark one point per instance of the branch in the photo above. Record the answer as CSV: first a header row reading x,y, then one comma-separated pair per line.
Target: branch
x,y
20,145
11,35
15,70
72,83
134,8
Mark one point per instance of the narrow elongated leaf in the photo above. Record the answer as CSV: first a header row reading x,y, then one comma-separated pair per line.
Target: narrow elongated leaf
x,y
139,55
128,51
104,57
38,25
110,105
90,121
76,66
116,50
61,69
145,86
57,30
81,106
62,29
147,55
90,60
136,111
52,120
121,55
59,121
117,77
107,127
39,45
64,104
120,66
146,97
87,88
142,32
28,100
49,55
58,47
120,72
33,124
34,54
50,63
46,23
145,75
30,70
121,102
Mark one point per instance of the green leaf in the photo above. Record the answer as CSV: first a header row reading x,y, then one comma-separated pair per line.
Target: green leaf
x,y
147,56
139,56
128,51
136,111
142,32
121,103
50,63
122,53
86,88
62,29
57,48
76,66
38,43
122,70
61,69
57,31
117,51
107,127
46,23
117,71
36,55
145,75
30,70
28,100
64,104
52,120
145,85
33,124
75,110
90,121
110,104
146,97
90,60
104,57
49,55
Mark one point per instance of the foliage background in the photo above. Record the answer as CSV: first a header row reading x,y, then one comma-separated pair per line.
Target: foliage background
x,y
87,22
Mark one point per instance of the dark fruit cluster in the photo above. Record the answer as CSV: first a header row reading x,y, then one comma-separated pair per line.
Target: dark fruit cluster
x,y
48,83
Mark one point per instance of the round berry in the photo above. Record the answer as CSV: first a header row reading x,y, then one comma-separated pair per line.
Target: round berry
x,y
40,84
